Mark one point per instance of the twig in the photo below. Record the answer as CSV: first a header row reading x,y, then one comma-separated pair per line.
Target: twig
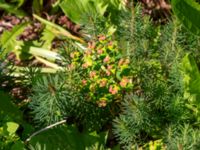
x,y
44,129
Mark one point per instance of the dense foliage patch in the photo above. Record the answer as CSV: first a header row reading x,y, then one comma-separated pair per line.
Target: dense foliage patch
x,y
99,75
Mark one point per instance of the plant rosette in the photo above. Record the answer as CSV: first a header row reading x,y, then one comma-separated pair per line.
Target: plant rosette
x,y
105,72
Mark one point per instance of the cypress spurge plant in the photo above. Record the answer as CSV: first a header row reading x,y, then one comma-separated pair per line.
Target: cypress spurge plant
x,y
159,109
58,96
96,77
106,74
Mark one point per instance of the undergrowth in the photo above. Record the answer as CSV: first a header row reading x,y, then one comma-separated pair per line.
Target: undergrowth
x,y
123,82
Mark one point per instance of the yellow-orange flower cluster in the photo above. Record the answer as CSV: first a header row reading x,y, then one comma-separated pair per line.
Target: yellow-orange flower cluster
x,y
105,72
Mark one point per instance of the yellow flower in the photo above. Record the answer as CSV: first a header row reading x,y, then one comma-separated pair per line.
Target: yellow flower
x,y
106,59
84,82
91,45
120,62
102,102
100,51
85,65
113,90
102,37
92,74
103,83
124,82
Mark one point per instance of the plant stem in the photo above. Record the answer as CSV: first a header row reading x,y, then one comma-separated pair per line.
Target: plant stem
x,y
44,129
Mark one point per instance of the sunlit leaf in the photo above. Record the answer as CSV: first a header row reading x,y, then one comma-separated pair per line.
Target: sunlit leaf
x,y
11,128
188,12
9,40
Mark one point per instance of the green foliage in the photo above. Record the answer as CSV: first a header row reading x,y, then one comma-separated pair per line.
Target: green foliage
x,y
81,11
95,16
188,12
57,30
37,146
105,72
191,80
136,33
47,37
10,119
191,75
24,50
16,6
157,103
139,78
142,120
128,125
13,8
8,109
154,145
185,137
68,137
9,41
9,140
48,95
19,2
85,10
37,6
58,96
10,128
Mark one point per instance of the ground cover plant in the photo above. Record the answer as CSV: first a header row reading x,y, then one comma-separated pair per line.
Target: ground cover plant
x,y
99,75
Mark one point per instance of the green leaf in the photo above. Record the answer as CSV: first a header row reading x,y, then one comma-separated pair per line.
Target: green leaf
x,y
19,2
58,30
11,128
47,37
7,108
191,75
12,9
118,75
68,137
37,146
188,12
79,10
37,6
18,146
9,41
191,80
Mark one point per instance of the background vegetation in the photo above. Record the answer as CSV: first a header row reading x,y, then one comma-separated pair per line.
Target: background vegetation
x,y
99,75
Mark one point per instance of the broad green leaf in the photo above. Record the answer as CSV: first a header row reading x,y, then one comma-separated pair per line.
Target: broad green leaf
x,y
18,145
191,75
68,138
9,41
188,12
10,128
7,108
191,80
80,11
